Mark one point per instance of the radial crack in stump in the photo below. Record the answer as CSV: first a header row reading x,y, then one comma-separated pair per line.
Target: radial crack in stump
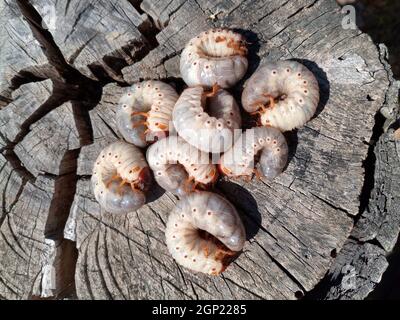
x,y
26,101
297,221
97,37
43,149
38,177
31,265
104,127
19,50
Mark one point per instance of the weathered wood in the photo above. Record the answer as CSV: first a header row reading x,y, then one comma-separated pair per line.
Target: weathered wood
x,y
20,55
45,149
296,225
104,128
96,37
25,102
362,262
33,254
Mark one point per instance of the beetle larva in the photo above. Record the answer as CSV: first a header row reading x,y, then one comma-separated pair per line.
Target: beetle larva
x,y
120,178
216,56
211,131
284,93
267,143
204,232
179,167
145,112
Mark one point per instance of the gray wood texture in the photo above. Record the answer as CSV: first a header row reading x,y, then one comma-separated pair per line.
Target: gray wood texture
x,y
96,37
362,262
21,53
322,229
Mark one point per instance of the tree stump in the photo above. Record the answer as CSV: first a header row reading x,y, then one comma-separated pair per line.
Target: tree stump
x,y
323,229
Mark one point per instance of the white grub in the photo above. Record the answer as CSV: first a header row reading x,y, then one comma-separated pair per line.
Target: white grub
x,y
204,232
179,167
216,56
267,143
145,111
284,93
120,178
211,130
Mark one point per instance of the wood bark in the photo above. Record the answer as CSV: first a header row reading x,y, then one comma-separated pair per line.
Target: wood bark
x,y
323,229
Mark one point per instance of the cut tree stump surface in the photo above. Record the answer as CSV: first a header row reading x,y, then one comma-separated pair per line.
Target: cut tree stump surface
x,y
322,229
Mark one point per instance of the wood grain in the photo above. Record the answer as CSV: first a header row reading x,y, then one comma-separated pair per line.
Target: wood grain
x,y
334,209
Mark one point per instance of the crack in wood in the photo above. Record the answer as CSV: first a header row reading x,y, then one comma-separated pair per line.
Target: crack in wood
x,y
78,87
331,286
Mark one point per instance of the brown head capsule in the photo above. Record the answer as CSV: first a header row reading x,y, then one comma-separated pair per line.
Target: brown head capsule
x,y
285,94
204,232
266,144
145,111
120,178
179,167
207,120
